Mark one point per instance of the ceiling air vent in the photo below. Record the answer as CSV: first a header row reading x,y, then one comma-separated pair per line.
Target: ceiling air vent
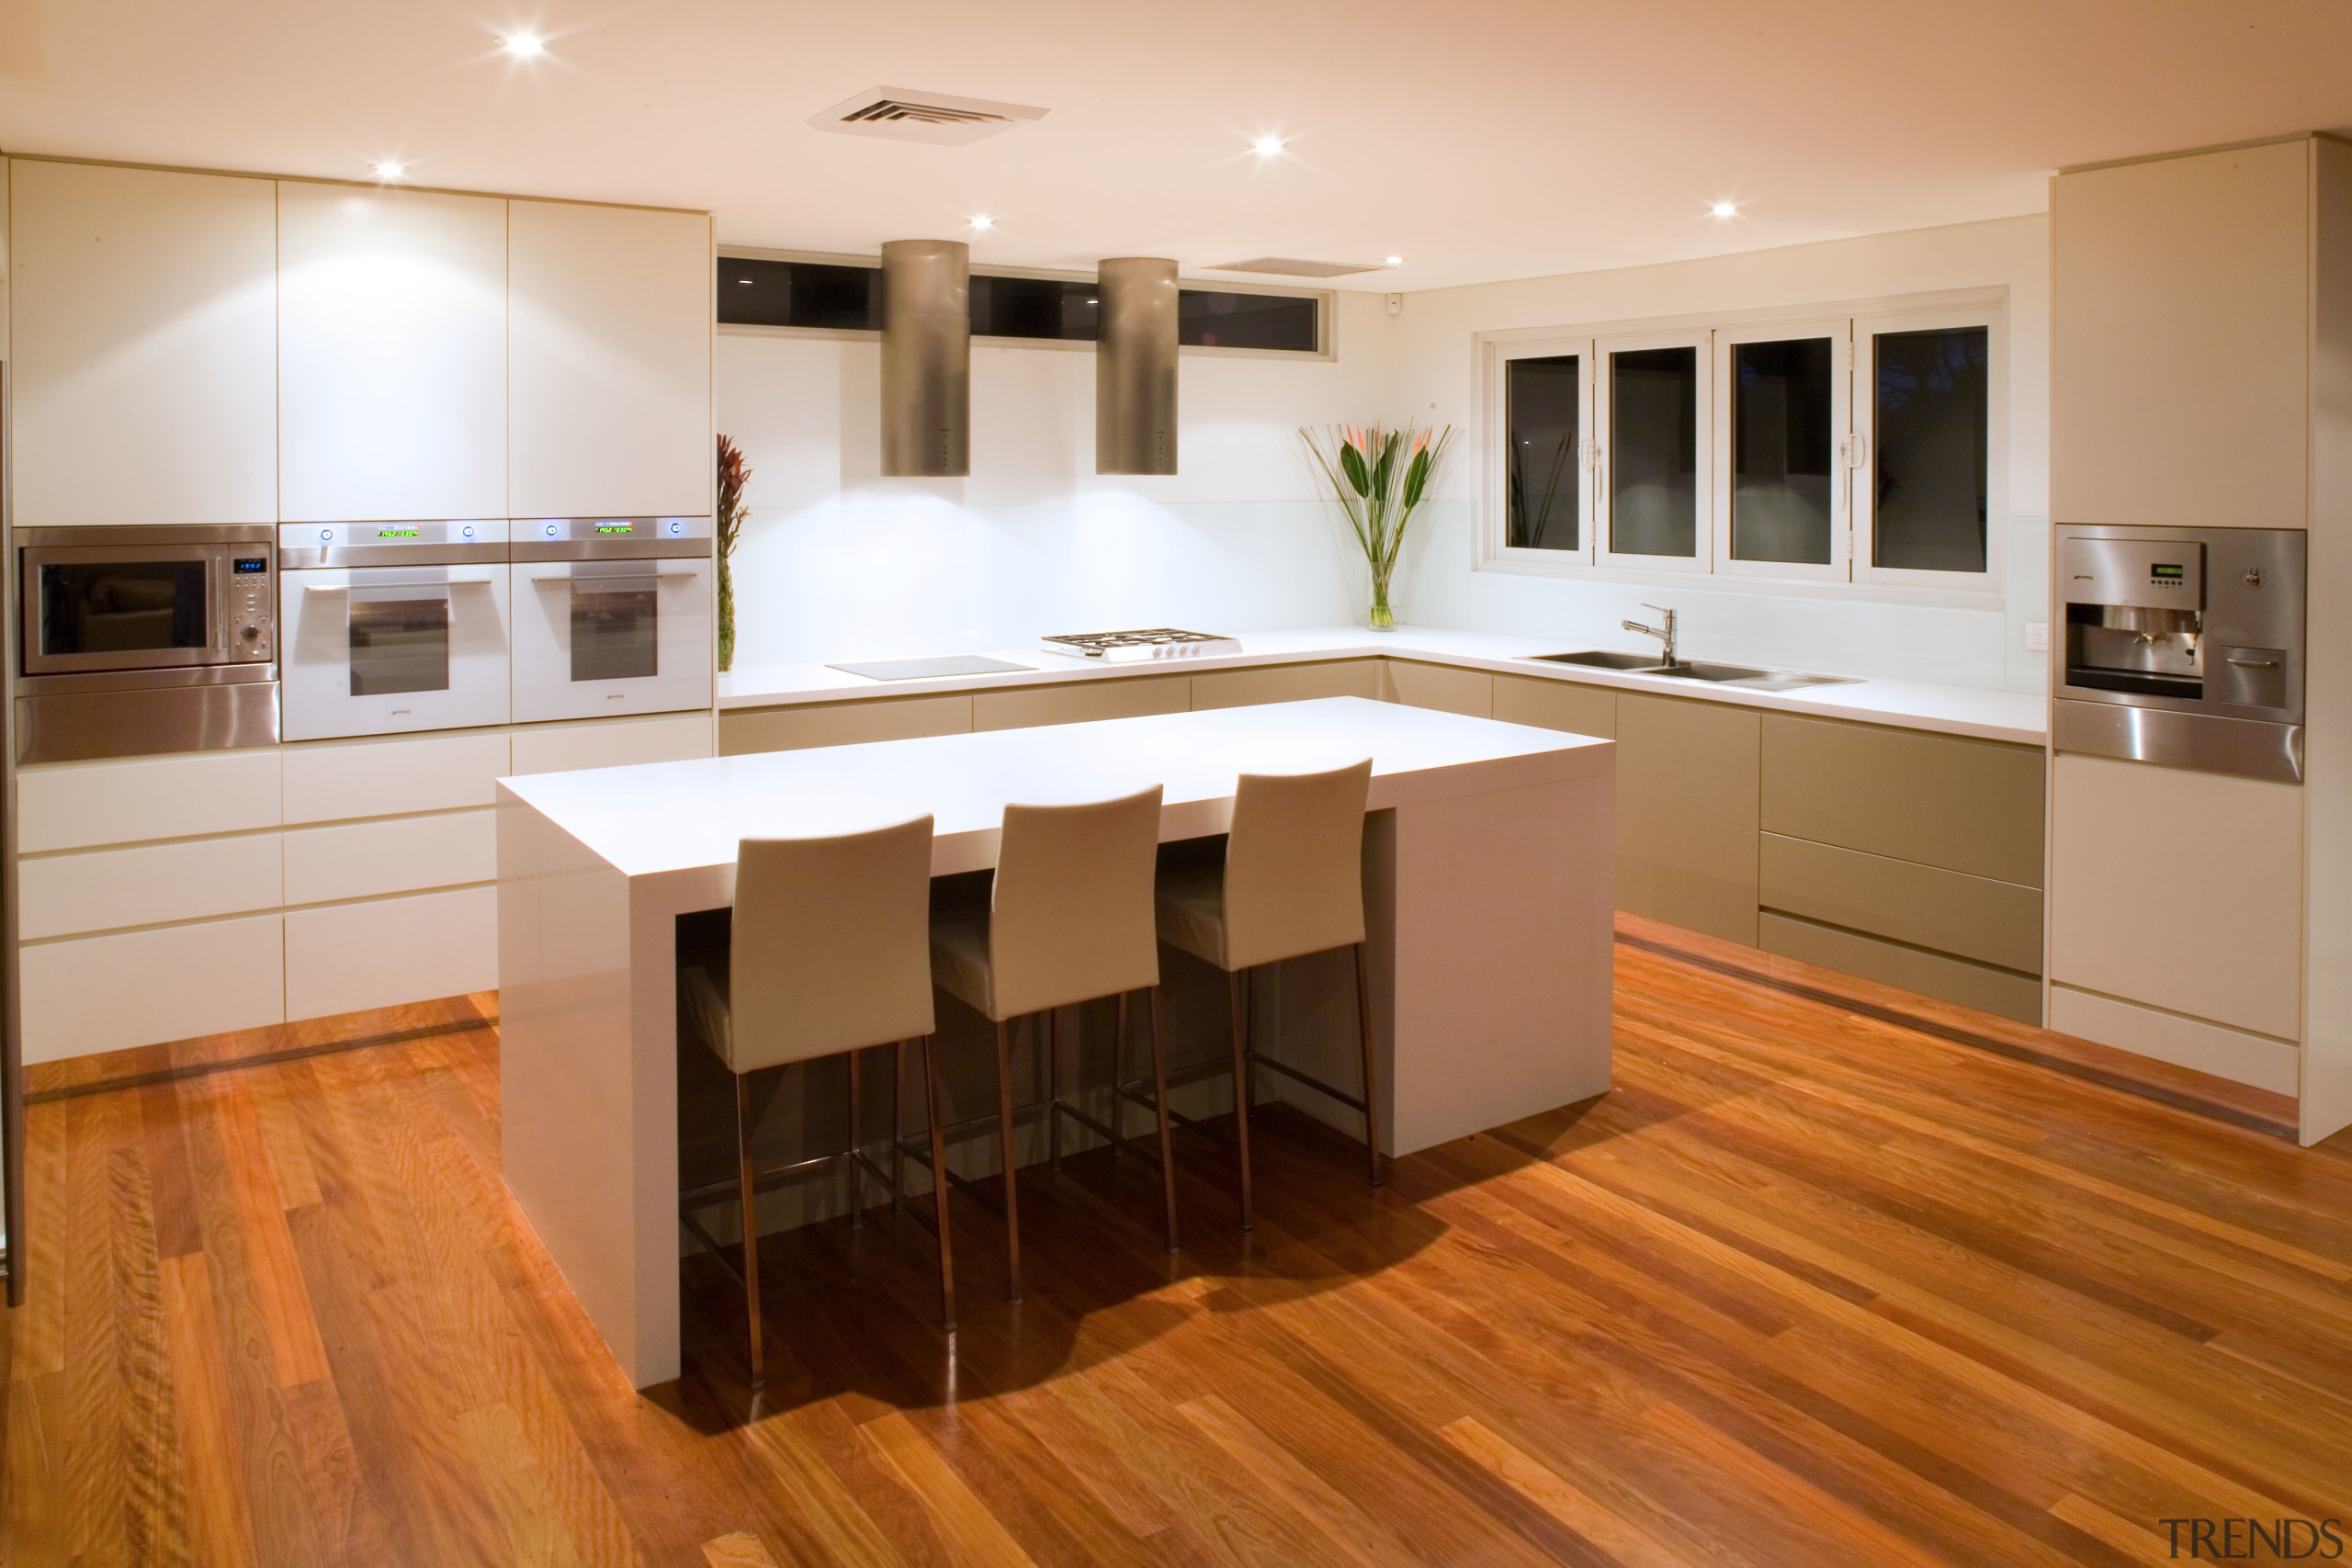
x,y
903,114
1291,267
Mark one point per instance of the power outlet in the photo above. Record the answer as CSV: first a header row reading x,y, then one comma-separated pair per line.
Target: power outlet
x,y
2037,637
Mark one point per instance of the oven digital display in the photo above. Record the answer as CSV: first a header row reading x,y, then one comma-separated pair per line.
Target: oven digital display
x,y
616,528
399,532
247,566
2164,573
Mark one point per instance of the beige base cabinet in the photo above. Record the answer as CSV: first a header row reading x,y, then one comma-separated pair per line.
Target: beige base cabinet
x,y
1687,803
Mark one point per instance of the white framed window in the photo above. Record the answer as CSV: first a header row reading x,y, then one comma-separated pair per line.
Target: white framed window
x,y
1930,456
1856,447
1543,469
1655,463
1784,405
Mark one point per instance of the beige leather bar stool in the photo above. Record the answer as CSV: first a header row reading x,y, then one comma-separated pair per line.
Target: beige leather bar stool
x,y
830,954
1068,919
1292,884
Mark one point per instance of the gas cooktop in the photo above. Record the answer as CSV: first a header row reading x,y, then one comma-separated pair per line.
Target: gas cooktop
x,y
1137,647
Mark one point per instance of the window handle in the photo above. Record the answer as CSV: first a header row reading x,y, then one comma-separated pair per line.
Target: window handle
x,y
1853,449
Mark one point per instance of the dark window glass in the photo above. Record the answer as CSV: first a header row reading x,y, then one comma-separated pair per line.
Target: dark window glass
x,y
1933,427
1781,504
400,645
614,631
1541,398
1033,307
817,294
1654,452
1209,319
799,294
121,607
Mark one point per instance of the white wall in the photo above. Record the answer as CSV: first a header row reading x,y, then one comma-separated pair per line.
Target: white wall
x,y
1436,379
838,563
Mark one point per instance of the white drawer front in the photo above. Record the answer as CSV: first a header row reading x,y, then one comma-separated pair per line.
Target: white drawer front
x,y
365,860
109,889
390,950
559,749
107,993
74,805
336,781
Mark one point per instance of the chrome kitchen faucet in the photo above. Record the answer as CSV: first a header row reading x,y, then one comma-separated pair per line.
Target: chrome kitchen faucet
x,y
1664,634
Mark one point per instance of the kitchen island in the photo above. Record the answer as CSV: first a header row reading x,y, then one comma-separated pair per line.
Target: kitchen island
x,y
1489,891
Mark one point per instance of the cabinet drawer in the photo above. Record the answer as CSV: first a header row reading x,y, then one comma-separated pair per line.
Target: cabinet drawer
x,y
1686,813
1977,986
207,978
611,743
1966,806
390,950
109,889
365,860
74,805
1287,683
337,780
1118,697
1556,704
1438,686
1992,922
745,730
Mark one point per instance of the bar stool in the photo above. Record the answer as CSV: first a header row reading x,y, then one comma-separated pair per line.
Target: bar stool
x,y
1292,884
829,955
1068,919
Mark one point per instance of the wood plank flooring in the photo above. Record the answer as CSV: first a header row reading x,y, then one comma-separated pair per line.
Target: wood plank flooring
x,y
1836,1275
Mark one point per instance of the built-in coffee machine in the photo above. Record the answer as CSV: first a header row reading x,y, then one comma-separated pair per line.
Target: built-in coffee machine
x,y
2183,646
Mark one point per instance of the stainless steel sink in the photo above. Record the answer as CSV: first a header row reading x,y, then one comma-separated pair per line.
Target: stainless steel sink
x,y
1746,676
1604,658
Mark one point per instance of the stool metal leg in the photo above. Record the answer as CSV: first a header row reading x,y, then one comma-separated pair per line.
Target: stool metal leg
x,y
856,1138
897,1129
938,1180
1005,1147
1371,1074
1159,1100
751,1227
1234,981
1054,1090
1118,1077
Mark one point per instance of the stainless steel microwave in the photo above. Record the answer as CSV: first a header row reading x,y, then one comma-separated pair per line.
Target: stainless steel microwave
x,y
164,598
139,642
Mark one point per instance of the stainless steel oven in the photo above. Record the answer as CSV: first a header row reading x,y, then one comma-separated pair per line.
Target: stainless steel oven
x,y
140,640
612,616
395,627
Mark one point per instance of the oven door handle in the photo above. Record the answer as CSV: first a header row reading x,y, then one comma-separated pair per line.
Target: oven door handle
x,y
564,574
458,578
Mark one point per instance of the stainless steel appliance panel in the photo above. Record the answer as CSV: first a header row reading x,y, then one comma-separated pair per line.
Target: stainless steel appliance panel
x,y
462,541
1134,367
149,719
927,359
613,538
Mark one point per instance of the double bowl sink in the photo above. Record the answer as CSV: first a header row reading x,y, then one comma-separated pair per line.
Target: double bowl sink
x,y
1744,676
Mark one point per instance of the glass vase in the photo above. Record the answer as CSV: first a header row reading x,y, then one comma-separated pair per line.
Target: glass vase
x,y
1381,619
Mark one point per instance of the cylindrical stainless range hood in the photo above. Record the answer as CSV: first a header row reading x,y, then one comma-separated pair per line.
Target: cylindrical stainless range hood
x,y
1134,367
927,359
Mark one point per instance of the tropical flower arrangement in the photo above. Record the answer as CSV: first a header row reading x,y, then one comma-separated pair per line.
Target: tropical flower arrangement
x,y
1379,477
733,475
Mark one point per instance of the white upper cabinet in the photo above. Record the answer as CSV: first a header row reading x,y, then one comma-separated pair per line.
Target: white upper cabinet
x,y
143,306
609,338
391,353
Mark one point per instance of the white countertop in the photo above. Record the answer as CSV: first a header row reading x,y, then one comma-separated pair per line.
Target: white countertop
x,y
690,816
2017,716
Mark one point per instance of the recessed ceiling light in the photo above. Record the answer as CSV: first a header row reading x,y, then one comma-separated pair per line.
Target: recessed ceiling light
x,y
983,220
391,169
1726,210
1267,146
1395,261
523,46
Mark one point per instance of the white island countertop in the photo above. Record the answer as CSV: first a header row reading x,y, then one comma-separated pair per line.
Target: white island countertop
x,y
2017,716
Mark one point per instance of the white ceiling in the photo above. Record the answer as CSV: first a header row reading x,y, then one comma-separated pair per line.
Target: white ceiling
x,y
1480,140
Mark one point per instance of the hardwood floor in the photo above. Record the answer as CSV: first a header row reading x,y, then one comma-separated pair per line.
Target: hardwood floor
x,y
1836,1275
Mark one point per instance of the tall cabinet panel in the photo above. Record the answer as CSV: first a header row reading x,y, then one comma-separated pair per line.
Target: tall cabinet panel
x,y
610,338
2179,340
143,310
392,353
